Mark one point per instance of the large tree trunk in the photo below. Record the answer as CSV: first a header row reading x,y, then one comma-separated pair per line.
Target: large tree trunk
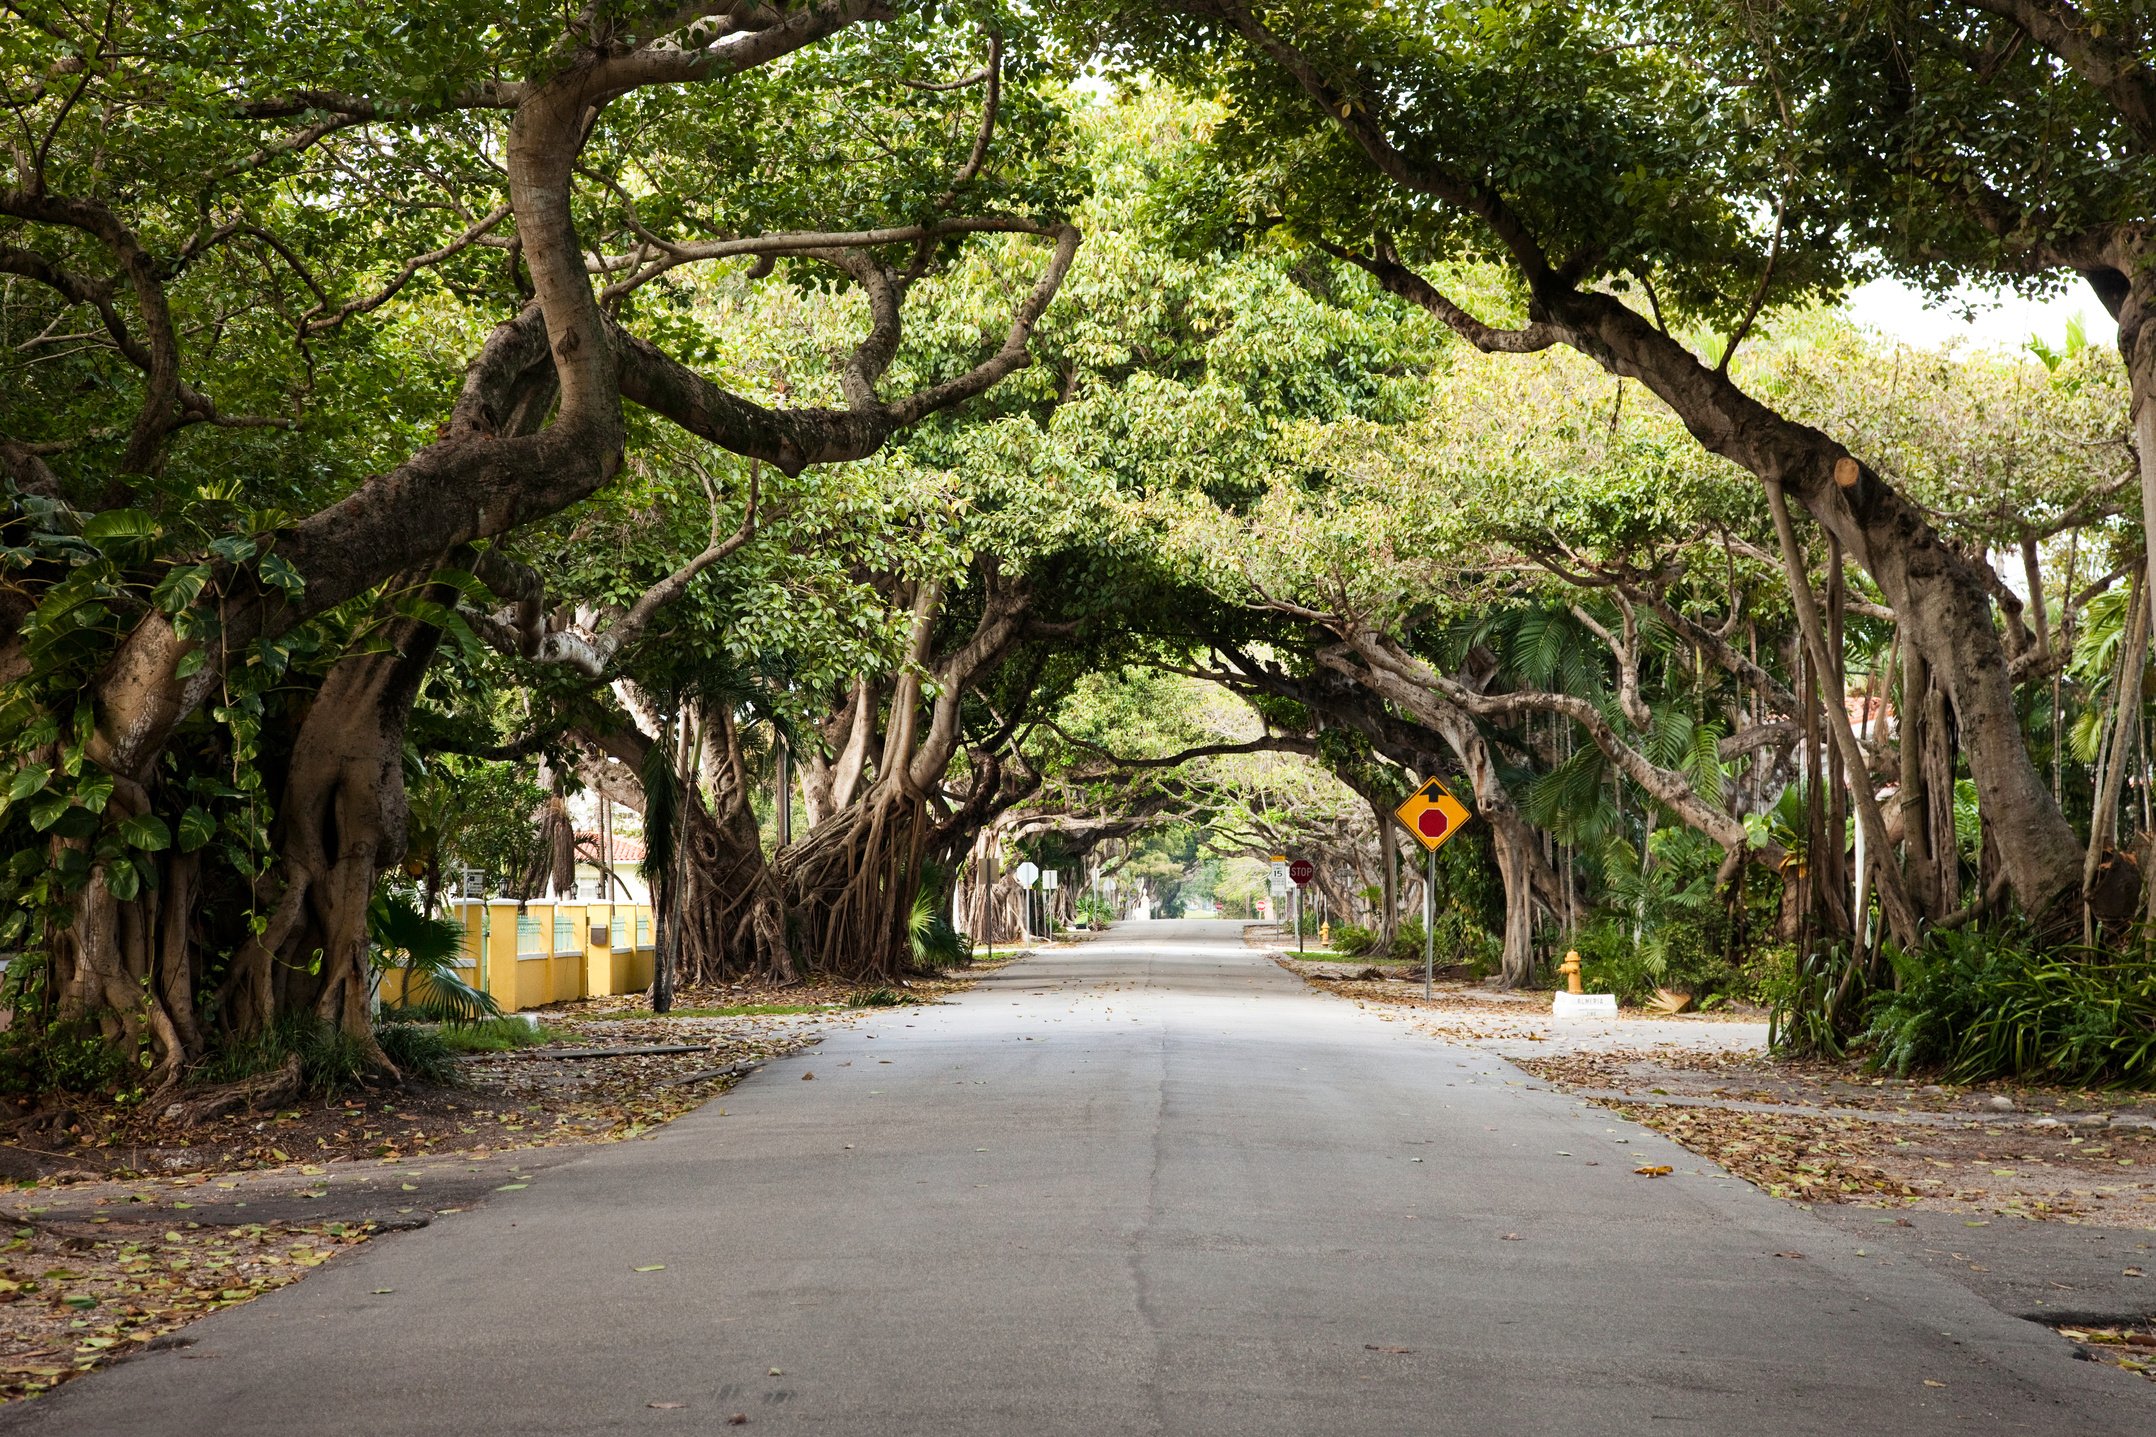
x,y
341,823
731,922
851,885
1513,844
1388,847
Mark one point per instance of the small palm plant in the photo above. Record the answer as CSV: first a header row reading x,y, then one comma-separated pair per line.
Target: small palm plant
x,y
935,942
426,947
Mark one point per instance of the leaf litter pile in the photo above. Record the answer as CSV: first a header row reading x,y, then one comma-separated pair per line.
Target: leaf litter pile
x,y
2133,1348
1816,1131
1820,1132
124,1227
74,1295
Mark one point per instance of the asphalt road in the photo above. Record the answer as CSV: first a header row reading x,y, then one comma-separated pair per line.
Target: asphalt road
x,y
1148,1185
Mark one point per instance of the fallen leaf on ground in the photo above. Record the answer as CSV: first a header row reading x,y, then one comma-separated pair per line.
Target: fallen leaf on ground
x,y
1929,1383
655,1267
737,1419
1394,1351
666,1404
806,1078
1655,1170
1789,1254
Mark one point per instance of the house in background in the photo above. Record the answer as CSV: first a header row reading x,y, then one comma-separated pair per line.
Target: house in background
x,y
606,867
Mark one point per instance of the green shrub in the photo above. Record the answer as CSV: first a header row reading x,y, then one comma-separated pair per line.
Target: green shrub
x,y
1986,1004
879,998
422,1055
1353,938
330,1059
1459,939
1801,995
1678,955
58,1058
936,944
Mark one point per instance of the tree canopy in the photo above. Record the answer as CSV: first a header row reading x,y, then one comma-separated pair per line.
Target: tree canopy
x,y
876,442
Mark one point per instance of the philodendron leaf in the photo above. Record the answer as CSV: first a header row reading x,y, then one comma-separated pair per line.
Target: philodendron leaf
x,y
122,879
196,829
28,780
146,831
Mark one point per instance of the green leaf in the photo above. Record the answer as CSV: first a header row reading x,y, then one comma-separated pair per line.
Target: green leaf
x,y
147,832
277,571
197,828
180,588
190,663
94,790
122,880
120,524
46,808
28,780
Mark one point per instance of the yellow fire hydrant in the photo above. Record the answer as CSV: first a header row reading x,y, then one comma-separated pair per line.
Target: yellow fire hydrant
x,y
1571,969
1325,934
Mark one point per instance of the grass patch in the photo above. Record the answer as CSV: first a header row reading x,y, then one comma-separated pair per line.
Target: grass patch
x,y
496,1035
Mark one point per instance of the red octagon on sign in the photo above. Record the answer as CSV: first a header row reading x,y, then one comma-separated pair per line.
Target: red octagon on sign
x,y
1302,870
1432,822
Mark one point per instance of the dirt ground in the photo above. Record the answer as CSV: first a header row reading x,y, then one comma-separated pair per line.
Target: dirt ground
x,y
122,1227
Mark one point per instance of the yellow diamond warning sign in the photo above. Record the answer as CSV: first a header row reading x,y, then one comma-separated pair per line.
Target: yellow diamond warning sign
x,y
1432,814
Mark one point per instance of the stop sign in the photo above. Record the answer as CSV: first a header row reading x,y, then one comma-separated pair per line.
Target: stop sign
x,y
1302,870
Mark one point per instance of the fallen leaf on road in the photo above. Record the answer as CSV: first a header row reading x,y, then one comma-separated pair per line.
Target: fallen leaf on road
x,y
1508,1237
655,1267
1789,1254
1929,1383
738,1419
383,1291
666,1404
1394,1351
1655,1170
806,1078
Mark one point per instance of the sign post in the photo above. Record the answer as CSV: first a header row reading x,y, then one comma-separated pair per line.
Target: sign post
x,y
1432,815
1300,872
1028,873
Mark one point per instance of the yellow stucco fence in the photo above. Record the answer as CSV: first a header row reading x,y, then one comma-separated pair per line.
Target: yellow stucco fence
x,y
549,953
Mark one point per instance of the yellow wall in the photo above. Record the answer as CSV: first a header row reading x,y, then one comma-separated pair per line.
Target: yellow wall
x,y
590,968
